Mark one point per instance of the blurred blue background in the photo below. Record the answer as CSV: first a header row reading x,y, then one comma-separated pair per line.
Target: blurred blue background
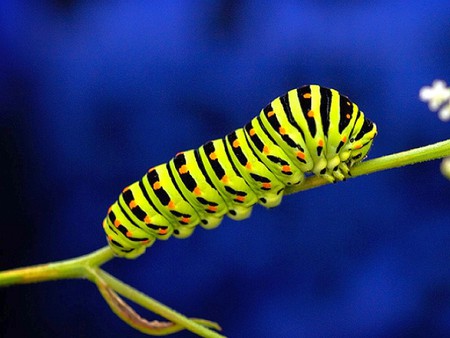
x,y
94,93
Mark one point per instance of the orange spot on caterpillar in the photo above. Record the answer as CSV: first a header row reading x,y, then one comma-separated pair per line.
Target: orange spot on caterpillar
x,y
213,156
310,113
110,237
307,95
156,185
212,208
126,189
301,155
252,132
358,146
344,139
183,169
267,185
129,234
197,191
348,116
147,219
109,209
185,219
224,179
162,231
132,204
286,168
171,204
282,131
151,169
320,143
271,113
348,103
240,198
179,153
116,223
235,144
266,150
249,166
145,241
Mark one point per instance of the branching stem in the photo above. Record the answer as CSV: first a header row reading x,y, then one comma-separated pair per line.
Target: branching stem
x,y
88,266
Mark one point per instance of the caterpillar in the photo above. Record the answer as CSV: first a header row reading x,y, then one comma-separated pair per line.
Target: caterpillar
x,y
311,129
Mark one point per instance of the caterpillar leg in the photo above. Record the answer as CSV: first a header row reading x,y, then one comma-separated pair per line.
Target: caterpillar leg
x,y
333,170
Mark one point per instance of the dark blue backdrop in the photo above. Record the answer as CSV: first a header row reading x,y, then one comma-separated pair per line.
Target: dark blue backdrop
x,y
94,93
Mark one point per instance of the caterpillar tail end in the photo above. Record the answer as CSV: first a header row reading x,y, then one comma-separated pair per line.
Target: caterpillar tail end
x,y
126,253
127,250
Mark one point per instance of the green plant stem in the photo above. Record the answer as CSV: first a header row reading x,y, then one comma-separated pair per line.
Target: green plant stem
x,y
151,304
66,269
422,154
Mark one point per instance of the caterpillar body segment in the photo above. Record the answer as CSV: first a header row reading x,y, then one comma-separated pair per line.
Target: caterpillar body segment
x,y
236,193
311,129
260,179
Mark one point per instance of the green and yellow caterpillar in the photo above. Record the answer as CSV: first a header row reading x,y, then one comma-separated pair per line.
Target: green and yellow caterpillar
x,y
311,129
